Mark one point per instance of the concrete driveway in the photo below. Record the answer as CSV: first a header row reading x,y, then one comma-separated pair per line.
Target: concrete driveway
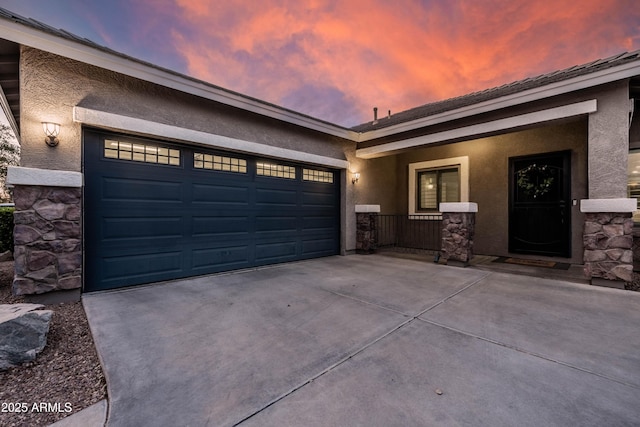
x,y
369,341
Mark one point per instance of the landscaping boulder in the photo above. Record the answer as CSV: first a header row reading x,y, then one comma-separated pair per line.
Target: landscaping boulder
x,y
7,272
6,256
23,333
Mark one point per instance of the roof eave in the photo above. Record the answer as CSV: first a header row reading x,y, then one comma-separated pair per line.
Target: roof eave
x,y
38,39
586,81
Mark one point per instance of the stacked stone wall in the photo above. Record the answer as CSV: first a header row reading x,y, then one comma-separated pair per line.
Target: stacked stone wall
x,y
458,229
608,243
366,236
48,239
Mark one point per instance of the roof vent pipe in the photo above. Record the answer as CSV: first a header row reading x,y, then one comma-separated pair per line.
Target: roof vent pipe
x,y
389,115
375,115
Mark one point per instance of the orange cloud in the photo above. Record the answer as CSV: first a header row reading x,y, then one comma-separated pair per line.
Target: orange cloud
x,y
394,55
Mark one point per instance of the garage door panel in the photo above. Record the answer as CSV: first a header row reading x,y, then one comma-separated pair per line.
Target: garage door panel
x,y
276,197
141,228
319,224
276,251
278,224
221,226
138,266
317,199
220,195
318,247
123,189
220,259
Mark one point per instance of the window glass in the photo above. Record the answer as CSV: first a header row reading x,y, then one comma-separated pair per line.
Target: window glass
x,y
449,186
428,191
139,152
220,163
437,186
317,175
276,170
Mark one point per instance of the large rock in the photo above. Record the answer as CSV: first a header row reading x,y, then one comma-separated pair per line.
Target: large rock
x,y
7,272
23,333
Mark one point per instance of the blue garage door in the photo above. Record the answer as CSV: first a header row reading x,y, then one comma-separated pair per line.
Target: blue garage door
x,y
156,211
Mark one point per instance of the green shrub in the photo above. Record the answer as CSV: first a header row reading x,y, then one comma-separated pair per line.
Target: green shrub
x,y
6,229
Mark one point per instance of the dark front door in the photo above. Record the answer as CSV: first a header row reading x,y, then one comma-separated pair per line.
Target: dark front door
x,y
539,204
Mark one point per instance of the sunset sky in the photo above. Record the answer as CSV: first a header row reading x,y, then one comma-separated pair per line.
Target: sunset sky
x,y
337,59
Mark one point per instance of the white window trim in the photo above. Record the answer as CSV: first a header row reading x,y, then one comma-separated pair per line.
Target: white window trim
x,y
461,162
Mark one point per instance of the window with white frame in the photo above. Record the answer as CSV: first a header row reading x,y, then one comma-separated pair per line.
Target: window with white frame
x,y
437,181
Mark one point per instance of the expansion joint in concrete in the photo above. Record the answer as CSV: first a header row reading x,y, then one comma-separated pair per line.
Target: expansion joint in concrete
x,y
409,320
530,353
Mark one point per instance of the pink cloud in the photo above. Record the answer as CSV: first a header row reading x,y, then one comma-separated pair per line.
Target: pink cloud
x,y
395,55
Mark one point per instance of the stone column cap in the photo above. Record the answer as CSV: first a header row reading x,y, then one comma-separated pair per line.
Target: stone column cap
x,y
367,208
459,207
608,205
17,175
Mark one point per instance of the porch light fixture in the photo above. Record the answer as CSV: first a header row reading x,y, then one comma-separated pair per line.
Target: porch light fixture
x,y
355,178
51,130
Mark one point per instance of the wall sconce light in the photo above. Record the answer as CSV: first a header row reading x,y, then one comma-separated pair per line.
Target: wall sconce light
x,y
355,178
51,130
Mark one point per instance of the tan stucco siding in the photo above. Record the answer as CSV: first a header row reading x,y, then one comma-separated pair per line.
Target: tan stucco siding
x,y
489,177
609,143
377,184
52,85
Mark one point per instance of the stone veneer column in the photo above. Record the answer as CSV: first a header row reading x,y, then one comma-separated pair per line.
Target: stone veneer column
x,y
608,241
47,231
458,228
366,235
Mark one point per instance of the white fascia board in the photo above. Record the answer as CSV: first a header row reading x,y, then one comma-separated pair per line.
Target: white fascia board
x,y
571,110
17,175
571,85
32,37
119,122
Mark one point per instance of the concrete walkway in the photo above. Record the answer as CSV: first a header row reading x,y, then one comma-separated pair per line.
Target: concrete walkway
x,y
371,341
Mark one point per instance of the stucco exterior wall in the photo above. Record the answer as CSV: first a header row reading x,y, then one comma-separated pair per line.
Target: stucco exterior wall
x,y
609,143
378,183
489,178
52,85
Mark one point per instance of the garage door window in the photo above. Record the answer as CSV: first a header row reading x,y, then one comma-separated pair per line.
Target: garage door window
x,y
317,175
137,152
276,170
219,163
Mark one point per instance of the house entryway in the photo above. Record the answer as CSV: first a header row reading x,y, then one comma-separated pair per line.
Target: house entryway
x,y
540,204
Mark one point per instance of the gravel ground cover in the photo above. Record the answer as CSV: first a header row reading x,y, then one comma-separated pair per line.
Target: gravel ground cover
x,y
66,376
